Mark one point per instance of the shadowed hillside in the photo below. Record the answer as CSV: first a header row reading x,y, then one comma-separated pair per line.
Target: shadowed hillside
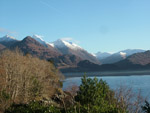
x,y
31,46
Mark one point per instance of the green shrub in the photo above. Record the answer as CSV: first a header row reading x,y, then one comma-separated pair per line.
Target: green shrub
x,y
146,107
33,107
95,96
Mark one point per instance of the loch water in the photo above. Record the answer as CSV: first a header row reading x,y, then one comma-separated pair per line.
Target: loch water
x,y
137,83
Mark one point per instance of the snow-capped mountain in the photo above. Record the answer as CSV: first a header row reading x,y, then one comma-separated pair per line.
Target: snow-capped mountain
x,y
67,48
102,55
40,39
128,52
60,43
132,51
70,48
120,55
7,38
33,47
123,54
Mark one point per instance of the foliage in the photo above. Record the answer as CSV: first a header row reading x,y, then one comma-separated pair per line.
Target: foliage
x,y
146,107
25,78
4,99
27,82
33,107
95,96
92,96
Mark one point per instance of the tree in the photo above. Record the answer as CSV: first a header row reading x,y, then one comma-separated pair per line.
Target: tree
x,y
128,99
146,107
32,107
95,96
26,78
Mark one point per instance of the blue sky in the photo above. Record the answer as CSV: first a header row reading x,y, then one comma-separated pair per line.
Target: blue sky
x,y
96,25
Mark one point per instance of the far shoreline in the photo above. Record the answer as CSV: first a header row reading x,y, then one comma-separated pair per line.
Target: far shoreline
x,y
107,73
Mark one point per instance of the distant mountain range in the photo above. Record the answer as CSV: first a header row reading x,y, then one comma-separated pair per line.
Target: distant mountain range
x,y
137,61
102,55
70,57
108,58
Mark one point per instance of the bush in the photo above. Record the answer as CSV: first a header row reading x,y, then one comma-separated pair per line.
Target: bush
x,y
95,96
146,107
33,107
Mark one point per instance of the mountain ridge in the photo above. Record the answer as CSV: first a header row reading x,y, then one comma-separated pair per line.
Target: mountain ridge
x,y
137,61
7,40
121,55
69,48
71,57
30,45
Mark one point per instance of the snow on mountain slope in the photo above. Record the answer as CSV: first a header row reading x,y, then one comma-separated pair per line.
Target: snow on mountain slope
x,y
132,51
123,55
62,43
94,54
40,39
7,38
57,44
70,48
66,48
120,55
7,41
51,44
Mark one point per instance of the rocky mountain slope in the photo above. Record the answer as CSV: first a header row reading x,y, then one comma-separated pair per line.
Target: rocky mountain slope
x,y
31,46
70,57
69,48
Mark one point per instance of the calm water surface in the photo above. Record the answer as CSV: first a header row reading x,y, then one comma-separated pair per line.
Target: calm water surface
x,y
137,83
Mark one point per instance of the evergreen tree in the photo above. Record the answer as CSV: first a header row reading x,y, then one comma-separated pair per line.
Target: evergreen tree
x,y
95,96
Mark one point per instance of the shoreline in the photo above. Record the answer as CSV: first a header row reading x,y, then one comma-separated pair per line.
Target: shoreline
x,y
107,73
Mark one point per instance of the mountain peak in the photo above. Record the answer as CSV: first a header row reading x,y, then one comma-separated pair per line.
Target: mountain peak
x,y
60,43
39,39
102,55
29,40
33,47
7,38
69,48
120,55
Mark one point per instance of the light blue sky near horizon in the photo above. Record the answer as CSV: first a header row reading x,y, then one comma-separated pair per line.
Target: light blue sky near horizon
x,y
95,25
